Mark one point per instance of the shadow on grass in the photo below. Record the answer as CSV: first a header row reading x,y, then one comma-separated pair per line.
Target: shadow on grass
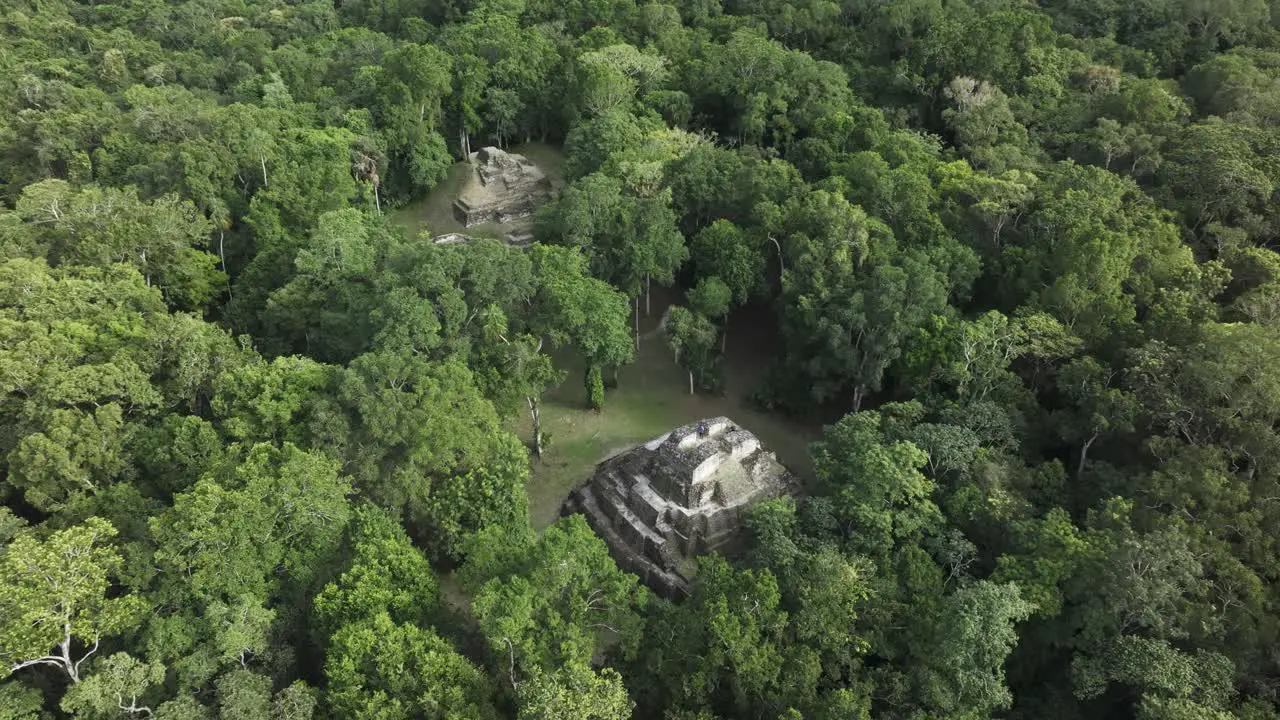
x,y
652,397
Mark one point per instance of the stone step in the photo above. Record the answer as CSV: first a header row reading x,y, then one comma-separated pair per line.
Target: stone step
x,y
667,584
629,525
644,488
619,486
649,505
596,517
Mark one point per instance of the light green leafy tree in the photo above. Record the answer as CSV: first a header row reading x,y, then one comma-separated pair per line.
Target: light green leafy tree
x,y
712,297
574,692
21,702
118,687
724,647
576,310
428,445
56,604
964,671
547,602
610,78
723,250
379,669
224,539
881,496
386,574
165,239
241,628
850,296
692,338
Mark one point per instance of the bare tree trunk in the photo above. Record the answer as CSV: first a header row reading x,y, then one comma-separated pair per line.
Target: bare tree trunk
x,y
858,393
1084,456
536,414
647,294
62,661
222,255
511,648
637,322
781,266
690,382
263,159
73,668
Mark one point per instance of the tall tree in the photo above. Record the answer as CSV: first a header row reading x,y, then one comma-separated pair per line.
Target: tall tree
x,y
549,603
378,668
575,692
167,239
850,296
692,338
58,598
881,497
426,444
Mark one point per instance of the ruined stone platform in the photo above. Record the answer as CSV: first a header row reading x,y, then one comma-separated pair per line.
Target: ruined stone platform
x,y
502,187
661,504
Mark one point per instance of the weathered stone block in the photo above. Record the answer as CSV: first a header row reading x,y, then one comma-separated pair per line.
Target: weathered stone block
x,y
503,187
661,503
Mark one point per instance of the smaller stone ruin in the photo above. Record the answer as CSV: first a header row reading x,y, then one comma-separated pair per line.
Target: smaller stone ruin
x,y
451,239
521,239
502,187
660,504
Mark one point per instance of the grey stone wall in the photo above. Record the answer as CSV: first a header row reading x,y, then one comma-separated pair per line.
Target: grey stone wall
x,y
682,494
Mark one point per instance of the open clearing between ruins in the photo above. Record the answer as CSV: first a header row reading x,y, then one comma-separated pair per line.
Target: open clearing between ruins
x,y
652,396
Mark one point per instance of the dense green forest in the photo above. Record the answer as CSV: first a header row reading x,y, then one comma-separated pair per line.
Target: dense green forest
x,y
264,454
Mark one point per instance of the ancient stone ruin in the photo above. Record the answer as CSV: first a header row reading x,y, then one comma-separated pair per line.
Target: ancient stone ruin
x,y
520,238
502,187
660,504
451,239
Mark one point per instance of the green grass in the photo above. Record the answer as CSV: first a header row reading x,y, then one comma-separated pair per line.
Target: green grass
x,y
652,398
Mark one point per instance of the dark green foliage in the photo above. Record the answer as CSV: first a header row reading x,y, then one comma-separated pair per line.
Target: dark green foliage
x,y
1018,257
385,574
551,602
595,388
427,446
377,668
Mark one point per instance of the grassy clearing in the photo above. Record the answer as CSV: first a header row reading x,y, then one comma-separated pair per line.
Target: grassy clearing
x,y
652,397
